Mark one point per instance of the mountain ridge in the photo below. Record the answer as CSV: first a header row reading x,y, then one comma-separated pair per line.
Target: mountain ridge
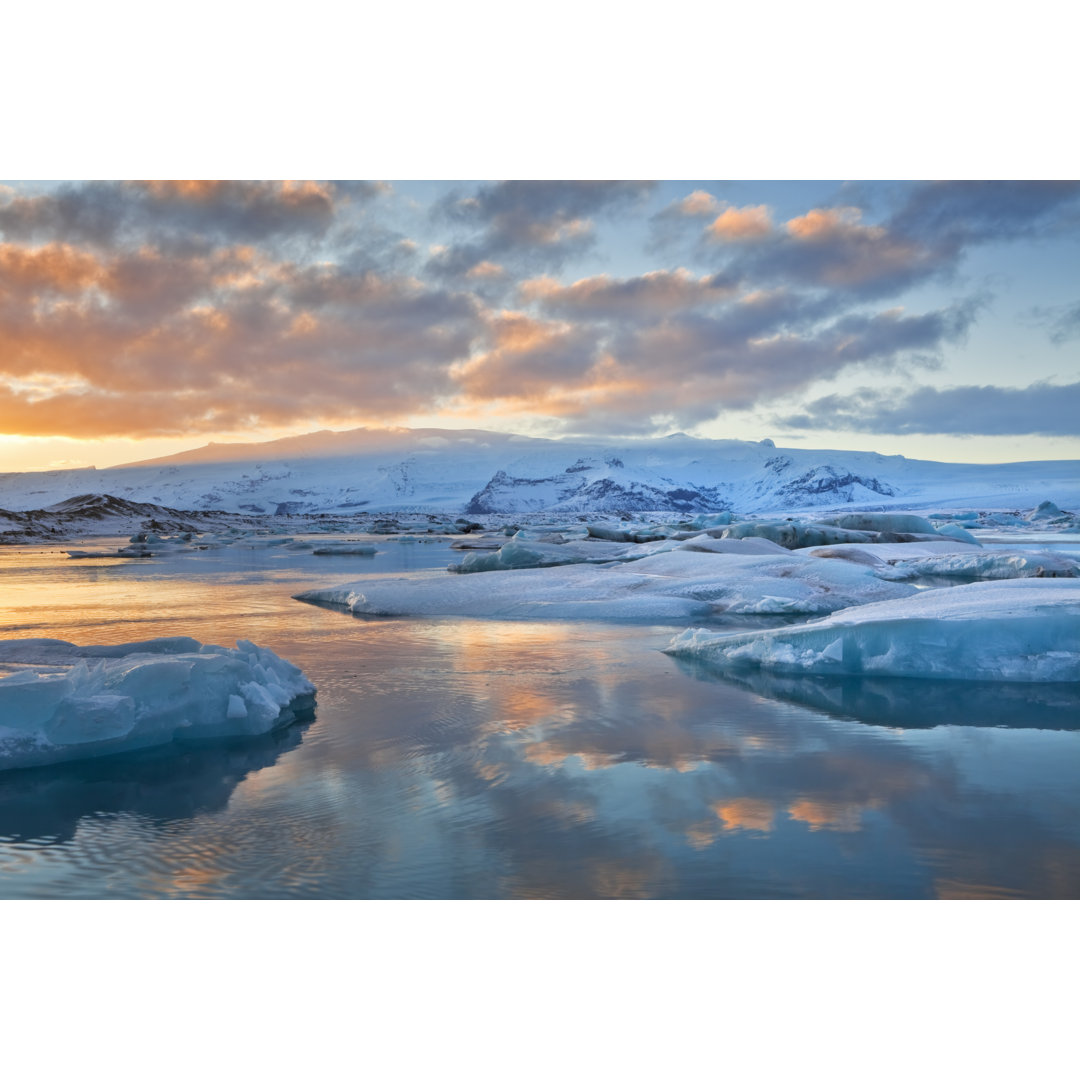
x,y
477,471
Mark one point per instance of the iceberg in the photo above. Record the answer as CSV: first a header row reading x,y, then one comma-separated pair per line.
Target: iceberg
x,y
956,532
1021,630
665,585
884,522
519,554
986,565
61,701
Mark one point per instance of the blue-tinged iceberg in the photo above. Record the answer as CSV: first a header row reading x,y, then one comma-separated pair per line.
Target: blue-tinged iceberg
x,y
62,701
1022,630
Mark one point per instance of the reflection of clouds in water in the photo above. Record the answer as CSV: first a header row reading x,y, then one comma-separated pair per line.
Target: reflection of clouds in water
x,y
746,813
161,785
653,769
830,813
472,758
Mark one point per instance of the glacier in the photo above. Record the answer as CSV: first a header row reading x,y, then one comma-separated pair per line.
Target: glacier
x,y
60,701
485,472
1019,630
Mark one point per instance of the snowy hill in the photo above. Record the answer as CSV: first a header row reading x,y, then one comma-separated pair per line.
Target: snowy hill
x,y
477,472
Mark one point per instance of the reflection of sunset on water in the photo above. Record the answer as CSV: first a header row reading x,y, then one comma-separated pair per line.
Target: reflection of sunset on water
x,y
469,757
831,814
752,814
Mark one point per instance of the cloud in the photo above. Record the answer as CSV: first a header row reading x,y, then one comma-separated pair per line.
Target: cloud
x,y
687,366
647,296
925,237
528,359
741,225
139,343
101,213
182,307
954,213
697,204
1062,323
832,248
534,223
1042,408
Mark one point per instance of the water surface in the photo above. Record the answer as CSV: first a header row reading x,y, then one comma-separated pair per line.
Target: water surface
x,y
476,758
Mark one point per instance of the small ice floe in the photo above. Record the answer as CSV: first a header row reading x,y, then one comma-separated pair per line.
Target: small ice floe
x,y
64,701
130,552
1025,630
348,548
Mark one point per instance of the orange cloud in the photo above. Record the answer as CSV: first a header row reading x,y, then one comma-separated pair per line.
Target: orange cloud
x,y
854,253
823,224
657,292
486,269
741,225
697,204
51,267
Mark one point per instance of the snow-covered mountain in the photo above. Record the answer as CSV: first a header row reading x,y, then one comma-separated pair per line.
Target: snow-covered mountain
x,y
477,472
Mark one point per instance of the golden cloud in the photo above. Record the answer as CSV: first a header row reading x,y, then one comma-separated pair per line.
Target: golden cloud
x,y
741,225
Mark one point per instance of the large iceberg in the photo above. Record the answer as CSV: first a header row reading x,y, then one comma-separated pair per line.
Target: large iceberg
x,y
63,701
1023,630
667,585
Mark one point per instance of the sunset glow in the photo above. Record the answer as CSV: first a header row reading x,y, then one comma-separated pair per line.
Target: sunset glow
x,y
929,319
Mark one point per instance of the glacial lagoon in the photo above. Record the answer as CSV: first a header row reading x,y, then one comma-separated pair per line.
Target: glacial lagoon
x,y
478,758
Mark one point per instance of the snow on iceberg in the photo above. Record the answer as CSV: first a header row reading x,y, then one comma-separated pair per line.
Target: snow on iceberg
x,y
1022,630
666,585
65,701
519,554
986,565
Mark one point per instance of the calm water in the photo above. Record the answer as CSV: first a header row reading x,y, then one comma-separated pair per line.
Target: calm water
x,y
472,758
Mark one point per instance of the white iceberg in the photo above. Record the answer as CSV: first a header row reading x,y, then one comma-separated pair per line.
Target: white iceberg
x,y
667,585
1025,630
881,522
64,701
986,565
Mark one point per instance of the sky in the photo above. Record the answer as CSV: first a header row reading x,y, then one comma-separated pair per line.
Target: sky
x,y
933,319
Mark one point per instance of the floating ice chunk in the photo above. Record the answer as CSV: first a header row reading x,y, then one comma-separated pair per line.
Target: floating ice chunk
x,y
347,548
896,523
1003,631
1045,511
956,532
792,534
66,701
520,554
643,535
747,545
855,553
886,553
711,521
671,584
987,566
